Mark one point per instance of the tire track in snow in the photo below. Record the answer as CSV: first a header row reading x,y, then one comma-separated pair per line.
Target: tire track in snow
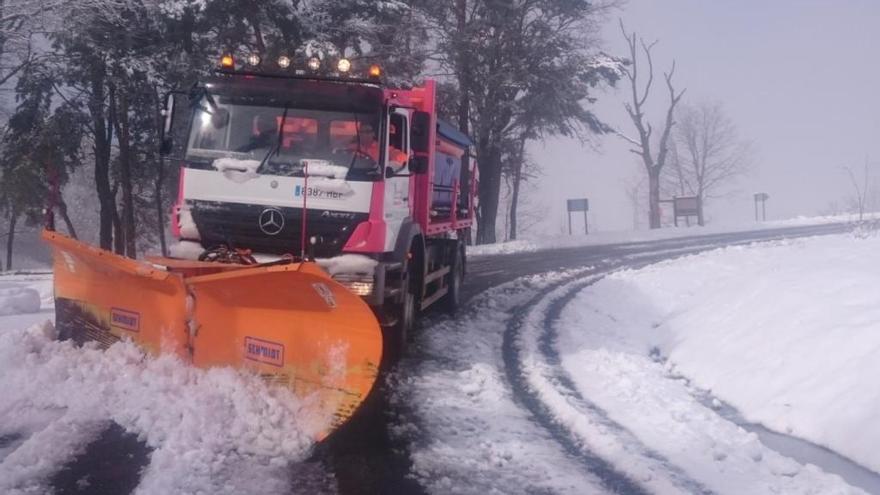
x,y
469,435
581,427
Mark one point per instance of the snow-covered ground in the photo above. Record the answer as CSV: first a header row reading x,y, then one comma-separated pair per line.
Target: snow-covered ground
x,y
215,431
583,381
788,333
625,236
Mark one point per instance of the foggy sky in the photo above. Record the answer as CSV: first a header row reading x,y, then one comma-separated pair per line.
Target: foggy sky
x,y
800,78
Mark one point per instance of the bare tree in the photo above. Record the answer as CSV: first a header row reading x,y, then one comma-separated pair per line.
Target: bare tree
x,y
521,212
706,153
635,193
861,189
636,110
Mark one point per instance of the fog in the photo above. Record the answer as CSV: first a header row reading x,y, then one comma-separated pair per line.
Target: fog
x,y
799,78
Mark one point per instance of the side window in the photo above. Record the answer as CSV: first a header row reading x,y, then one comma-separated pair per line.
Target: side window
x,y
398,139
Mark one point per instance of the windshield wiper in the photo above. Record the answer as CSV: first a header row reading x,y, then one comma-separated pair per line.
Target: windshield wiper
x,y
357,130
199,93
277,145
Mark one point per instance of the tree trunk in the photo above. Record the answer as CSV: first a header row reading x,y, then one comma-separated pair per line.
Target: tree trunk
x,y
103,139
160,180
160,210
118,232
464,100
62,210
700,219
517,179
123,133
10,237
654,197
490,188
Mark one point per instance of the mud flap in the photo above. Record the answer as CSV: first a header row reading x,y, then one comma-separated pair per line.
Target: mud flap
x,y
291,324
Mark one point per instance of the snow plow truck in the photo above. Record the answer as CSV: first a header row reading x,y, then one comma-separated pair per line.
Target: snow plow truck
x,y
318,213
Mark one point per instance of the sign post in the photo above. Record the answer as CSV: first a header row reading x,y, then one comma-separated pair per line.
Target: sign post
x,y
580,204
762,198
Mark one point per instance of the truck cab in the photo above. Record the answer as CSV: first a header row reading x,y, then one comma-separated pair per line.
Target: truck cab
x,y
291,162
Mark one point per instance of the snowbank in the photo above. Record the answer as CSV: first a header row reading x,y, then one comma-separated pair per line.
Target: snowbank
x,y
788,333
470,432
625,236
212,431
15,299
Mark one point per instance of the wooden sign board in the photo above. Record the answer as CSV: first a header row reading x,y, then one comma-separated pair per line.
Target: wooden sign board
x,y
581,204
687,206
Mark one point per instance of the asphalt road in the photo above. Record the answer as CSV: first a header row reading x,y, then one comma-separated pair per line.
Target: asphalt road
x,y
361,456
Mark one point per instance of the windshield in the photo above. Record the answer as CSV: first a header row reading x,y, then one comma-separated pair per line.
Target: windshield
x,y
281,138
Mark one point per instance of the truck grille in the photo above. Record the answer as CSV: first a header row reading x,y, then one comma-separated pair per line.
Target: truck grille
x,y
238,225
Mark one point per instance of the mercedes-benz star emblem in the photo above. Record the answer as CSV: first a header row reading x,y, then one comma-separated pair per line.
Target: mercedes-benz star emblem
x,y
271,221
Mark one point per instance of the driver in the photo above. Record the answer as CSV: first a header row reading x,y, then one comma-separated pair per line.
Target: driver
x,y
267,132
365,142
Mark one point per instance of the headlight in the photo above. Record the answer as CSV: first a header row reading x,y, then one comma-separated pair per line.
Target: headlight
x,y
361,285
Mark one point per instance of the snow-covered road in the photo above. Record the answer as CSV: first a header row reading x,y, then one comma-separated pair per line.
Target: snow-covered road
x,y
616,375
561,383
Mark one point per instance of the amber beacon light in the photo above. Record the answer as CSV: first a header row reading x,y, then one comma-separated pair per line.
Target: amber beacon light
x,y
227,62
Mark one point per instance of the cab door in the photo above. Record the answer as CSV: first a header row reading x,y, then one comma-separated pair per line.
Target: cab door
x,y
397,153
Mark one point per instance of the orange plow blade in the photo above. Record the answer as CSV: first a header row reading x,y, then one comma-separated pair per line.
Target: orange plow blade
x,y
291,324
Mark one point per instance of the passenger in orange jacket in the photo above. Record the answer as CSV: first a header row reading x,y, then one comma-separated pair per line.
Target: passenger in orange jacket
x,y
367,143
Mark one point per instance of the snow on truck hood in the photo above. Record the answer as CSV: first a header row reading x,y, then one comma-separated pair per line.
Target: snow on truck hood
x,y
323,168
327,176
344,263
237,170
348,263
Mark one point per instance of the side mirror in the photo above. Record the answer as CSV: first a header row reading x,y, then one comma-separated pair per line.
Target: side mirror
x,y
418,164
166,142
174,124
420,132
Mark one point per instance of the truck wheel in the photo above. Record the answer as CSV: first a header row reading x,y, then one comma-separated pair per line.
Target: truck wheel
x,y
452,300
396,335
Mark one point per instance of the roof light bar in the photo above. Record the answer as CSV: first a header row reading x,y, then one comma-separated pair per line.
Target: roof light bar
x,y
314,66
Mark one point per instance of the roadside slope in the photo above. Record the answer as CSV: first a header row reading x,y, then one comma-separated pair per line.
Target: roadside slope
x,y
786,332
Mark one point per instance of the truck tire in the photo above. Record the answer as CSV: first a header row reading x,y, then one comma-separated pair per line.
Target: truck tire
x,y
396,336
452,300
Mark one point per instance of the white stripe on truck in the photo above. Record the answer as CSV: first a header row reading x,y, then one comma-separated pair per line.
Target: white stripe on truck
x,y
274,190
